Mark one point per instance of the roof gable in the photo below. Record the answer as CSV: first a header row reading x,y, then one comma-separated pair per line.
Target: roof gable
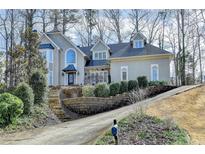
x,y
63,42
44,36
99,42
138,36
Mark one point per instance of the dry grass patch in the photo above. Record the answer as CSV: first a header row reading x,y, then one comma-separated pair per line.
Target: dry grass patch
x,y
188,111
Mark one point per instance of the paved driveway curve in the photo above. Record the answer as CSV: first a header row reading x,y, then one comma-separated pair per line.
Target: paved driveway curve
x,y
82,131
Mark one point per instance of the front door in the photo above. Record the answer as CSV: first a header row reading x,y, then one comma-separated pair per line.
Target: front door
x,y
70,79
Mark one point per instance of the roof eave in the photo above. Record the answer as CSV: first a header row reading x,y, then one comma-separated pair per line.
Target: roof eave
x,y
141,56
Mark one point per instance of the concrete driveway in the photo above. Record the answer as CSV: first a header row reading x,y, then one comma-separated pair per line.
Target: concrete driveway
x,y
82,131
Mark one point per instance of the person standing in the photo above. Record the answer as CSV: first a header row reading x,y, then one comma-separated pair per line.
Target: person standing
x,y
115,131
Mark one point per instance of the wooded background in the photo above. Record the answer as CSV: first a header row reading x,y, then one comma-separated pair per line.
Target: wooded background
x,y
181,32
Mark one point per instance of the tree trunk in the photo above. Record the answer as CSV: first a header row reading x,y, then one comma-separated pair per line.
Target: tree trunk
x,y
199,48
64,21
11,50
44,21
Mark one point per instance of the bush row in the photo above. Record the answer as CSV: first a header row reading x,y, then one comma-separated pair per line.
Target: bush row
x,y
104,90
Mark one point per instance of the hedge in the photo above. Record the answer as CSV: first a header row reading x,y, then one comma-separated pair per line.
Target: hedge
x,y
157,83
142,81
25,93
11,107
114,89
39,85
101,90
132,85
123,87
88,91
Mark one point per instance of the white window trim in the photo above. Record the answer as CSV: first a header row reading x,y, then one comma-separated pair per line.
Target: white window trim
x,y
66,64
100,51
152,65
48,51
135,44
103,72
124,67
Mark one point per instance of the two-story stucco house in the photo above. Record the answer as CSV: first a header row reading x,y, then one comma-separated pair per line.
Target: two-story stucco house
x,y
69,64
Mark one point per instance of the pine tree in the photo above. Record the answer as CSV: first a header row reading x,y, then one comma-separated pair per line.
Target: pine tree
x,y
34,58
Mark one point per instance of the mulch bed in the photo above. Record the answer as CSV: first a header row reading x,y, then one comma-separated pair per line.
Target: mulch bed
x,y
143,129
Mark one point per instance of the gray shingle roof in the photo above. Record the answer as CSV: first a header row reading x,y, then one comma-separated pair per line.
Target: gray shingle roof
x,y
126,50
46,46
58,40
96,63
86,50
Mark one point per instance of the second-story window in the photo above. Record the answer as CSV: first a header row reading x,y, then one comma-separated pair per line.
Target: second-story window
x,y
50,56
70,56
139,44
96,55
104,55
100,55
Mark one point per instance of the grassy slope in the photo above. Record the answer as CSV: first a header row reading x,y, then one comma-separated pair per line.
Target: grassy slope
x,y
187,110
143,129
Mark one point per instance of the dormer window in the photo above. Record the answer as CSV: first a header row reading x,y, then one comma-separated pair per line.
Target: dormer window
x,y
100,55
138,44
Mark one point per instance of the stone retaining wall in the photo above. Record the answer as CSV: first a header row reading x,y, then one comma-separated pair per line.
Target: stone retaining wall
x,y
93,105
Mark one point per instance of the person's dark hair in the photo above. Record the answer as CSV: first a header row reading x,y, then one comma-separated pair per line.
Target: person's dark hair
x,y
115,121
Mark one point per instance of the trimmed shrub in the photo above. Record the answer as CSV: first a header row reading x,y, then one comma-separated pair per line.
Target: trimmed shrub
x,y
39,85
157,83
132,85
11,107
123,87
142,81
25,93
72,92
114,89
101,90
88,91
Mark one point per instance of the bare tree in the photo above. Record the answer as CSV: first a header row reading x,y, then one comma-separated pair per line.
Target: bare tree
x,y
153,26
55,17
138,19
115,18
43,16
69,17
5,35
90,19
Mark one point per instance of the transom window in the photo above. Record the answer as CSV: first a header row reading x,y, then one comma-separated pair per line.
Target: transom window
x,y
100,55
124,73
139,44
70,56
154,72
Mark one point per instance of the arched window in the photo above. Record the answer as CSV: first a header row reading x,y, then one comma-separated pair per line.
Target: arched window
x,y
124,73
154,72
70,56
